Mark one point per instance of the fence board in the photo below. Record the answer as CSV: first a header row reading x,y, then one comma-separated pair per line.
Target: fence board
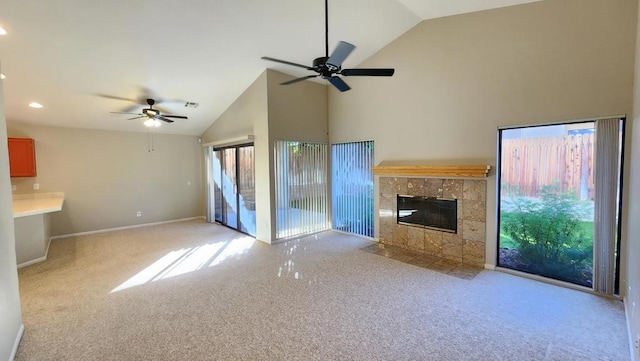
x,y
527,164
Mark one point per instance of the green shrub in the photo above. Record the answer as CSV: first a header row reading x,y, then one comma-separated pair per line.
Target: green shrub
x,y
550,235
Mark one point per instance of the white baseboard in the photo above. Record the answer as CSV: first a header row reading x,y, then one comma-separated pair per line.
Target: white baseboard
x,y
39,259
33,261
490,266
46,254
627,313
16,343
125,227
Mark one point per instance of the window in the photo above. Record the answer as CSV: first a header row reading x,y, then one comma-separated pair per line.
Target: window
x,y
559,201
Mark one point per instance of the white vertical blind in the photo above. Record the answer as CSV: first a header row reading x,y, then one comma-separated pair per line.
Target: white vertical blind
x,y
301,188
607,179
352,187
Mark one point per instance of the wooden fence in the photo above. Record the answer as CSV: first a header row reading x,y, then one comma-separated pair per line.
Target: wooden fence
x,y
527,164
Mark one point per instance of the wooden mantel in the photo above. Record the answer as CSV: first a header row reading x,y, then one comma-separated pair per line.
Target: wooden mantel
x,y
466,171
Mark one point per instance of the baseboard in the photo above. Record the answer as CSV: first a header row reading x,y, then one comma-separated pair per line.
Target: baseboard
x,y
16,343
627,313
490,266
33,261
46,253
125,227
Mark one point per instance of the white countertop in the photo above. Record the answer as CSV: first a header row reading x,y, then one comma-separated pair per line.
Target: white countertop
x,y
36,203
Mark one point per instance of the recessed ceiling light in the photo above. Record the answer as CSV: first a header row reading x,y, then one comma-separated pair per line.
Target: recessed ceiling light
x,y
2,31
35,105
2,76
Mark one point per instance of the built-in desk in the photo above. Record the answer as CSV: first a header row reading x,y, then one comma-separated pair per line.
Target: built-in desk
x,y
31,223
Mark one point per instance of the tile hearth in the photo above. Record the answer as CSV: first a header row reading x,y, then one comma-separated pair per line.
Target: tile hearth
x,y
451,268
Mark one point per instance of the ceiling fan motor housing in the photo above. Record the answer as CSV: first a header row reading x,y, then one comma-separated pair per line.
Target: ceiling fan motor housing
x,y
321,67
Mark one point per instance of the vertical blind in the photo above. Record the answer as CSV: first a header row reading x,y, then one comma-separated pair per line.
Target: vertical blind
x,y
301,188
607,179
352,187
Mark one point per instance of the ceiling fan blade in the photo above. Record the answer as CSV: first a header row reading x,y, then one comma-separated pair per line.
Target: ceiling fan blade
x,y
126,113
286,62
338,83
142,116
298,79
174,116
164,119
131,108
340,53
367,72
117,98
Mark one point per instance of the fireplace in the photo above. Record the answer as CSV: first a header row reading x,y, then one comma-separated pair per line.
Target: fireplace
x,y
466,244
428,212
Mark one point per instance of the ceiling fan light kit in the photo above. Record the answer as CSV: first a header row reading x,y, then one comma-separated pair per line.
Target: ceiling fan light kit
x,y
329,67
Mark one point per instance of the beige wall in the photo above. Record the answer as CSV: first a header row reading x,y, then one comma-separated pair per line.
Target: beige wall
x,y
297,111
459,78
631,236
107,176
248,115
272,112
10,313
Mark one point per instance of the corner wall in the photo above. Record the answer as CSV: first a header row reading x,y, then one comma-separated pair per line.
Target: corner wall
x,y
10,312
461,77
631,235
107,176
272,112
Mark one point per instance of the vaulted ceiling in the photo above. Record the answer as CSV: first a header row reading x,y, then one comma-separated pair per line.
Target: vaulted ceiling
x,y
76,57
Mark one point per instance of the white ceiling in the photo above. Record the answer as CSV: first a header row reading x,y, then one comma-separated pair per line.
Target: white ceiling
x,y
64,53
430,9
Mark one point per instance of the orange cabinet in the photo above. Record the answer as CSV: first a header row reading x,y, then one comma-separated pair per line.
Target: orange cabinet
x,y
22,157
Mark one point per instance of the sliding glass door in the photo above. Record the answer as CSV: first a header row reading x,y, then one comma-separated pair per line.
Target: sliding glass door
x,y
302,198
234,187
559,201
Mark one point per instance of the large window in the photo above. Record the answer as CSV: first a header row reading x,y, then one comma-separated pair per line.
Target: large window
x,y
301,188
352,187
559,201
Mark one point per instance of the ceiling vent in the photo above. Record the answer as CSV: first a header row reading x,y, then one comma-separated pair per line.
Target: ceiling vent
x,y
191,105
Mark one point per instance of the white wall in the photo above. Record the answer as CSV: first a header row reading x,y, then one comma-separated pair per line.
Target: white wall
x,y
10,313
459,78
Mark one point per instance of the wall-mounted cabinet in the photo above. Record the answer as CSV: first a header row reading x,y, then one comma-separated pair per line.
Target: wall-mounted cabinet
x,y
22,157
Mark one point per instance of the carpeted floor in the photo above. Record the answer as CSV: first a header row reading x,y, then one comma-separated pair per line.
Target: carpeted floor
x,y
196,291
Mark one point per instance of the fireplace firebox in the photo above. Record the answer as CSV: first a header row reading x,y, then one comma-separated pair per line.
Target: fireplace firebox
x,y
428,212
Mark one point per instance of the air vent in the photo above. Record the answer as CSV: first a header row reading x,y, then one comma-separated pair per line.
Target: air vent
x,y
190,105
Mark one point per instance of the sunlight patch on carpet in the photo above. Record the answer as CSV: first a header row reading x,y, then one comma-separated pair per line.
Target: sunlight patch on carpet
x,y
188,260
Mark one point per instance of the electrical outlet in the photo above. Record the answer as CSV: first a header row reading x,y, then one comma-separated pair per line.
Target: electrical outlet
x,y
139,214
36,186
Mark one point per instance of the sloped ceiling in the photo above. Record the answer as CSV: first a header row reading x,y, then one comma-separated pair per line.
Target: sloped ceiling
x,y
64,54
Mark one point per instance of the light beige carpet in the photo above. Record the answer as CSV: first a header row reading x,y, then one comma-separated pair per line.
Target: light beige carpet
x,y
197,291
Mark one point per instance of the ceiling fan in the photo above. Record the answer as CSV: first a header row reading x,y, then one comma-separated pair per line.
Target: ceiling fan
x,y
153,115
329,67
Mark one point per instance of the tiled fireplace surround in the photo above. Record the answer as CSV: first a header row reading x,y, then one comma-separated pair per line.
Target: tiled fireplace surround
x,y
467,246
